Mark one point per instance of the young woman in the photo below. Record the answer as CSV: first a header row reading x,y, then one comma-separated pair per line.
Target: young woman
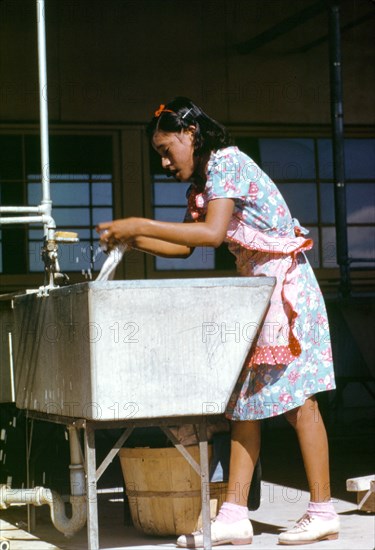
x,y
231,199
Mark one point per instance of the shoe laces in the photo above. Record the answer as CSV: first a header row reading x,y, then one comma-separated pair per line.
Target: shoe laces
x,y
304,521
200,531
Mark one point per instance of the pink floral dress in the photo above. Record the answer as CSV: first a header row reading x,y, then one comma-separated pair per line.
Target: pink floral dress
x,y
292,357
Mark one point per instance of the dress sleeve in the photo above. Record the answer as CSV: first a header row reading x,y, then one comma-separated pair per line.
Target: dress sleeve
x,y
231,175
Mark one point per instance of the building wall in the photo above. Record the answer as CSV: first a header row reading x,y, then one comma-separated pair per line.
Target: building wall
x,y
110,63
116,60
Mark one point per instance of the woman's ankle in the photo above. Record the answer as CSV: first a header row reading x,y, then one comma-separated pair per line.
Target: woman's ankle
x,y
323,510
230,512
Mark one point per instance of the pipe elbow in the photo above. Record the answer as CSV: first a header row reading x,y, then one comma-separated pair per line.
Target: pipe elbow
x,y
67,526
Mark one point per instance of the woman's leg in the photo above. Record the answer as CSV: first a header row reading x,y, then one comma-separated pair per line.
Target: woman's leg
x,y
245,447
312,437
320,521
232,525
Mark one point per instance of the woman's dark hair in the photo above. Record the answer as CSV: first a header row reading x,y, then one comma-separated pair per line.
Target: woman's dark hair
x,y
179,114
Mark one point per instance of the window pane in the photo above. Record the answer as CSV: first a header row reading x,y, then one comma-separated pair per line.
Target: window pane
x,y
301,199
81,177
36,234
325,159
360,202
71,216
34,193
327,203
287,159
170,194
361,242
170,214
101,215
101,193
61,194
360,158
329,247
202,258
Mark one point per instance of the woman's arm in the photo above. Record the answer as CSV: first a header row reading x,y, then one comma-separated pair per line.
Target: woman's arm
x,y
210,232
160,248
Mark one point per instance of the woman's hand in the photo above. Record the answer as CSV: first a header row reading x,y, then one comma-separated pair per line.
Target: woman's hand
x,y
118,231
211,232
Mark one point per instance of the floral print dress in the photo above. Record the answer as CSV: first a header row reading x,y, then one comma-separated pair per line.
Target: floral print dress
x,y
291,359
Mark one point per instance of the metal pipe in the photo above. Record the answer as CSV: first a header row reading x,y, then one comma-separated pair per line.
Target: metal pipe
x,y
77,471
43,105
338,148
38,496
7,209
45,220
45,208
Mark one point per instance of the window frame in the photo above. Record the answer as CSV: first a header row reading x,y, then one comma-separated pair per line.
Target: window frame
x,y
363,278
132,194
19,281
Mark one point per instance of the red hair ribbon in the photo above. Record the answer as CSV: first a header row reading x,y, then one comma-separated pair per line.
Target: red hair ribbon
x,y
161,110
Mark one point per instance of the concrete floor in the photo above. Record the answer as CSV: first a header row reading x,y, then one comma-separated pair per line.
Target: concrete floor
x,y
284,499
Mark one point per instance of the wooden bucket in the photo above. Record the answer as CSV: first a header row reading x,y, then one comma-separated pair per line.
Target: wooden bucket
x,y
164,491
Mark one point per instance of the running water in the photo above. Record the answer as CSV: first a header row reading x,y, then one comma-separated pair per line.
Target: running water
x,y
96,253
108,269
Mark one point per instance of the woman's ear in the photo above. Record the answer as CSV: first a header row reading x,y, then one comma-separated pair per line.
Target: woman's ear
x,y
190,130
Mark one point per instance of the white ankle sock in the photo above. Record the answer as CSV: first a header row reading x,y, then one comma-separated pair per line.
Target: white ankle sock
x,y
230,512
322,510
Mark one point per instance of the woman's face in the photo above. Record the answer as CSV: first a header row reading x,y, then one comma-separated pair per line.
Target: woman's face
x,y
177,152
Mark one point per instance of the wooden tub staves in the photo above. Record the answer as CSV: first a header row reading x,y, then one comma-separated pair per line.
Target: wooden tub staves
x,y
164,491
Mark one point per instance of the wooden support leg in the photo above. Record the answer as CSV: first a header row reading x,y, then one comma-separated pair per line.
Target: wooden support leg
x,y
205,485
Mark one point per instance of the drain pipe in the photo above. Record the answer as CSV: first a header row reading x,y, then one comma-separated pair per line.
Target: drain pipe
x,y
337,119
38,496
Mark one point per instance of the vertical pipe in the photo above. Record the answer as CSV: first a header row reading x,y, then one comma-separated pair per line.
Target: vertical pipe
x,y
77,472
338,147
43,107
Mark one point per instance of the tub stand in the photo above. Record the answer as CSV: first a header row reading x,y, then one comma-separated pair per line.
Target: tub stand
x,y
93,473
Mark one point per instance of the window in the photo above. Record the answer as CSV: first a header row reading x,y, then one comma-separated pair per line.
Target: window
x,y
81,193
302,168
169,203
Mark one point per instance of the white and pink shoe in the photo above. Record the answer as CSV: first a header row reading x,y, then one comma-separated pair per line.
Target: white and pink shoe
x,y
236,532
311,529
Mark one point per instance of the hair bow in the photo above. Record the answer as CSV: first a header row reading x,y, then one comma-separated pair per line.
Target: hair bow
x,y
161,110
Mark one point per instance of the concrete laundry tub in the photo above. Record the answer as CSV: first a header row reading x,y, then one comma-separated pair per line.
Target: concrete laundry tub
x,y
138,349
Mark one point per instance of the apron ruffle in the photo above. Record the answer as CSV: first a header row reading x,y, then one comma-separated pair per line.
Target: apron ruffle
x,y
278,343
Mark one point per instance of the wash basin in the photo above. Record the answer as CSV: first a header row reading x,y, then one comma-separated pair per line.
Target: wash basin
x,y
140,349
